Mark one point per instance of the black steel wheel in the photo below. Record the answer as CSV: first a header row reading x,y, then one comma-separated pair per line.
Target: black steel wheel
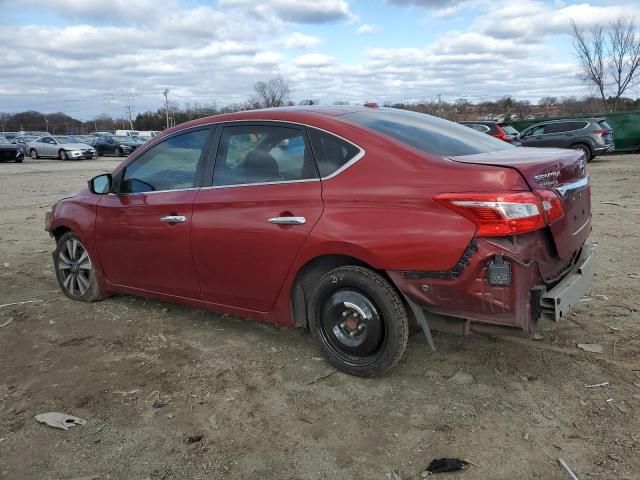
x,y
358,319
75,272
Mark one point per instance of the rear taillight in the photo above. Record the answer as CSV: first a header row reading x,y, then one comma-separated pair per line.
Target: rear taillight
x,y
602,133
509,213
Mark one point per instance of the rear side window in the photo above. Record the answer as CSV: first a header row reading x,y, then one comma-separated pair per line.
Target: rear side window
x,y
332,153
426,133
605,125
558,127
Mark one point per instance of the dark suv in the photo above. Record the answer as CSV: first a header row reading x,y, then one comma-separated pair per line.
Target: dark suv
x,y
593,136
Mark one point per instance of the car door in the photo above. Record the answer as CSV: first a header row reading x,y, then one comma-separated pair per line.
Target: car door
x,y
534,136
250,224
143,228
45,146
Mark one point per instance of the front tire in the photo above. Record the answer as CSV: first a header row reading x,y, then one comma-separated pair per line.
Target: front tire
x,y
34,154
118,152
359,321
76,274
62,155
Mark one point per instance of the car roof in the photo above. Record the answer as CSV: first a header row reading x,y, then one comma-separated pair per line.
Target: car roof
x,y
479,122
299,114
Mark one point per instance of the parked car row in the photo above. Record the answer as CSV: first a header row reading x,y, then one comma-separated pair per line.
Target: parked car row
x,y
10,152
592,136
66,147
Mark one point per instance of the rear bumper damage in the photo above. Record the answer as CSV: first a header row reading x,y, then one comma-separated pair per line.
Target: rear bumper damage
x,y
506,282
556,303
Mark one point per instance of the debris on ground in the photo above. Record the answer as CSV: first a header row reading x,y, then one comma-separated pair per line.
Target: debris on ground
x,y
321,377
596,385
60,420
537,336
462,378
7,323
20,303
568,469
395,475
591,347
443,465
620,406
193,438
158,404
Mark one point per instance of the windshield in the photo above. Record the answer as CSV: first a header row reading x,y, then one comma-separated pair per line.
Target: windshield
x,y
427,133
121,138
605,125
4,141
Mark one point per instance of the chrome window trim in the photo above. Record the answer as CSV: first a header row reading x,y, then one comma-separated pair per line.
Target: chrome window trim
x,y
224,123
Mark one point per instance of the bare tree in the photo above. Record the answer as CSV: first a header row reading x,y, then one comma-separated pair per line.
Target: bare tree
x,y
624,56
609,61
272,93
309,101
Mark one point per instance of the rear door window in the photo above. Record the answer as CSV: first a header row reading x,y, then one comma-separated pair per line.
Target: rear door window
x,y
253,154
332,153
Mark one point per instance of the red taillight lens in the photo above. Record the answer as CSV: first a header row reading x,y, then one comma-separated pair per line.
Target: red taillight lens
x,y
602,133
501,214
551,205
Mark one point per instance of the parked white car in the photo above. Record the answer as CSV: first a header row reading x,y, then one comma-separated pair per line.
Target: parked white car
x,y
64,147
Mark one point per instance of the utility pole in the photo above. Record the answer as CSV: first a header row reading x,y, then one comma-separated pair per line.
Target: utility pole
x,y
166,104
129,108
439,105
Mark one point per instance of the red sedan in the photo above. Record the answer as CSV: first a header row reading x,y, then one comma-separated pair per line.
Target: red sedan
x,y
350,221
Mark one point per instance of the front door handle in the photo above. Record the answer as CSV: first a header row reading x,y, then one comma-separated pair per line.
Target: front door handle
x,y
174,219
287,220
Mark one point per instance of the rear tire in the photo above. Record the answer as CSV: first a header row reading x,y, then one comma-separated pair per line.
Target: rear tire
x,y
359,321
76,273
588,155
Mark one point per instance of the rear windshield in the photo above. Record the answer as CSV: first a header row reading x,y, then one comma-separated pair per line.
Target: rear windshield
x,y
509,129
605,125
426,133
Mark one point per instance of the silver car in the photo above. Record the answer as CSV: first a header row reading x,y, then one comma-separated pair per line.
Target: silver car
x,y
64,147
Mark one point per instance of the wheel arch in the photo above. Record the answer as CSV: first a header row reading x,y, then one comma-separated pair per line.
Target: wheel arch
x,y
311,272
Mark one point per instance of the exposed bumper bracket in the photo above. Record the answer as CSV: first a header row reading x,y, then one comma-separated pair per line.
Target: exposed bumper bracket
x,y
557,302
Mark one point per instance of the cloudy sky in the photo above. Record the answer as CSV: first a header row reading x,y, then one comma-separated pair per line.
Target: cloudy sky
x,y
87,57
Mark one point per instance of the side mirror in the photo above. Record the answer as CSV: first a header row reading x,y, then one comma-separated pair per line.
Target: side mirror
x,y
101,185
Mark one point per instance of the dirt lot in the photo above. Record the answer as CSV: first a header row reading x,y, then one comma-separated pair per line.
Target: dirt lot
x,y
248,389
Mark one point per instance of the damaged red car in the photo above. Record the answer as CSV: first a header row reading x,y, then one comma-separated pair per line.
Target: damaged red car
x,y
353,222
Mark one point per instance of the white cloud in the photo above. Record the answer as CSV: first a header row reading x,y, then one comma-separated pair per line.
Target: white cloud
x,y
297,11
367,28
313,60
297,40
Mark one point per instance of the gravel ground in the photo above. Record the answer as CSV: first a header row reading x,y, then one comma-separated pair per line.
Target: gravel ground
x,y
243,400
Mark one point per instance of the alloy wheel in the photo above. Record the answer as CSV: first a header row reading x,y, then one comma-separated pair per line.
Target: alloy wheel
x,y
74,266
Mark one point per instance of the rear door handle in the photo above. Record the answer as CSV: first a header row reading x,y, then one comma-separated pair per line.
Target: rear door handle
x,y
174,219
287,220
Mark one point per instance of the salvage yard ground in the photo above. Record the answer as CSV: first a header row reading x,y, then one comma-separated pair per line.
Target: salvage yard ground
x,y
241,400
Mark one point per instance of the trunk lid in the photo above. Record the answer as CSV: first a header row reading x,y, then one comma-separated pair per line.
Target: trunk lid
x,y
563,171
